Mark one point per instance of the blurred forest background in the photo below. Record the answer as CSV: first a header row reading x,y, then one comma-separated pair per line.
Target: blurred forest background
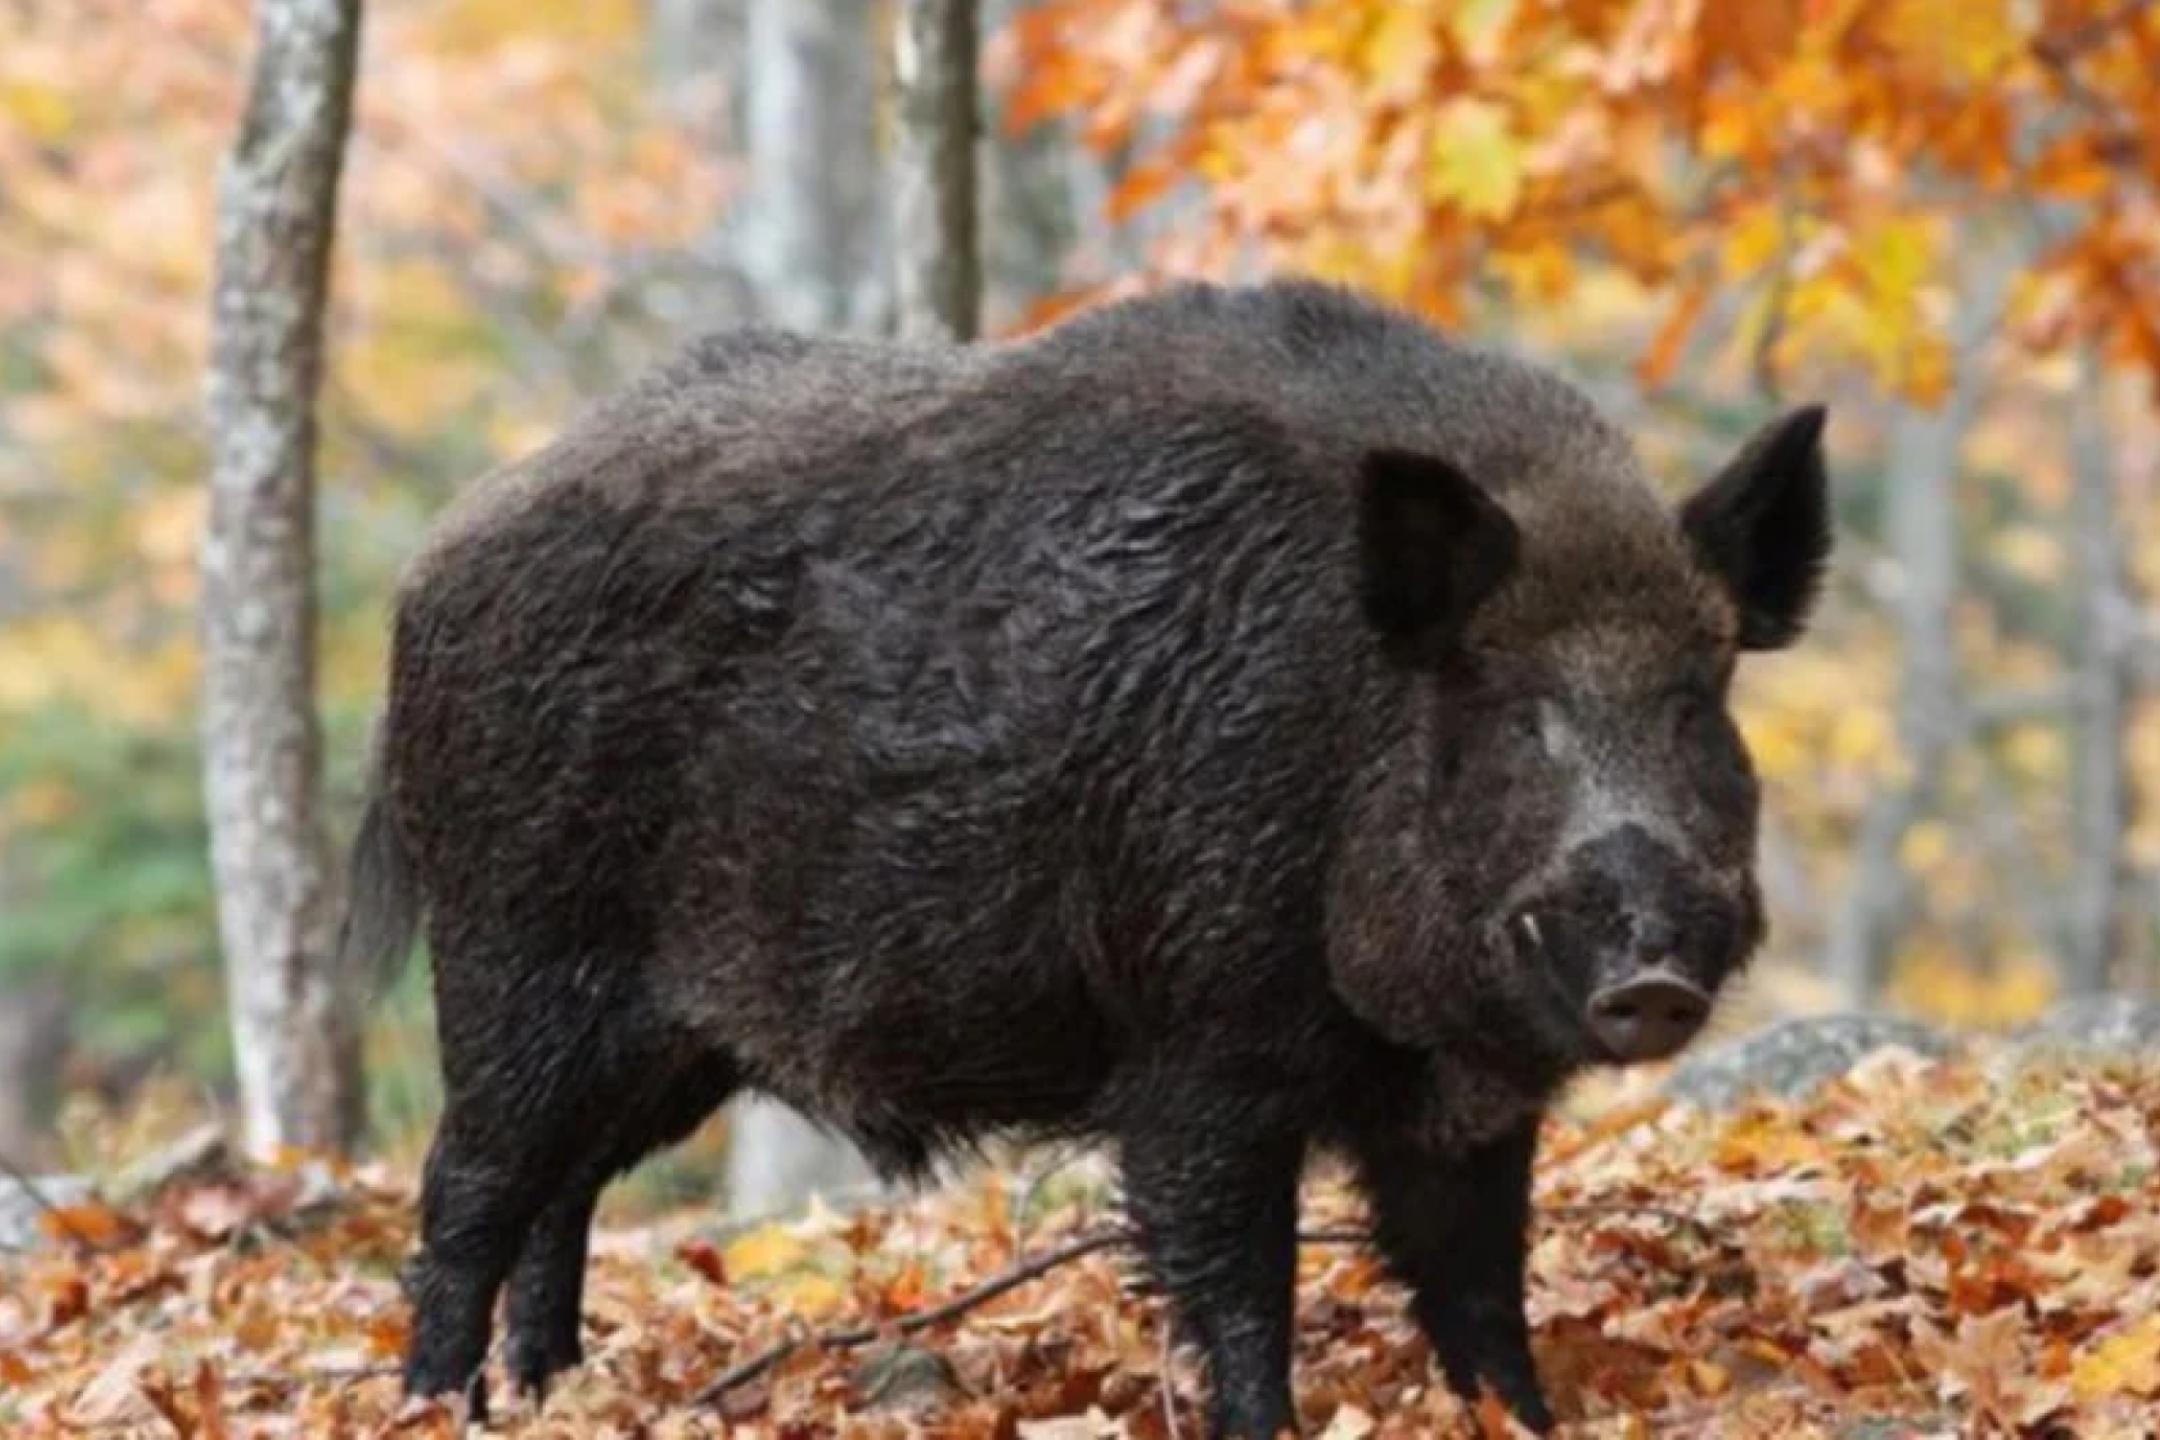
x,y
1939,216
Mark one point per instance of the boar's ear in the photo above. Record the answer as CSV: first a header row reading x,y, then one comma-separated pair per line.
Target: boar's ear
x,y
1432,545
1763,528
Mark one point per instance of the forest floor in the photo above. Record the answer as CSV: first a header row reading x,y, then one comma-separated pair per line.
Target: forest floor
x,y
1920,1248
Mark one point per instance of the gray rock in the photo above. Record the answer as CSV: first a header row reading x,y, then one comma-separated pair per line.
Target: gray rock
x,y
1791,1058
20,1209
905,1378
2095,1025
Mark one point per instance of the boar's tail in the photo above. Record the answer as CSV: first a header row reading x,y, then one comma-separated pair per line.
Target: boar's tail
x,y
382,895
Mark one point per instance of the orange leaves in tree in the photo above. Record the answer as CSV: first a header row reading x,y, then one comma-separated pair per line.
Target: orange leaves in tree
x,y
1421,147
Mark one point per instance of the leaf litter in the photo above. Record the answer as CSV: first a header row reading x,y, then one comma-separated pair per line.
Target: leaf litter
x,y
1920,1249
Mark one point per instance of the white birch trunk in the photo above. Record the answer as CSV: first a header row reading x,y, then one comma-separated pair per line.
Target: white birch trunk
x,y
295,1021
810,222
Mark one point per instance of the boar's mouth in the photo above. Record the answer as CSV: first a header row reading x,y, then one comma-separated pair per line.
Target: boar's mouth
x,y
1559,1010
1645,1012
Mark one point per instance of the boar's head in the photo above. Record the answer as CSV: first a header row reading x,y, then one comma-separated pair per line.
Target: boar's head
x,y
1551,852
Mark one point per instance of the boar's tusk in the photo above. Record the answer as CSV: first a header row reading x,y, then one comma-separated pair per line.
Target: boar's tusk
x,y
1530,928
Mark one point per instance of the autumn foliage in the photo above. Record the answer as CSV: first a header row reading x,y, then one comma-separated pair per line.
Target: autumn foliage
x,y
1817,167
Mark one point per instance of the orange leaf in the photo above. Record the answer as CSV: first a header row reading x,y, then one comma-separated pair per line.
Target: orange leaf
x,y
1494,1420
210,1401
1657,363
1142,186
91,1223
387,1334
700,1256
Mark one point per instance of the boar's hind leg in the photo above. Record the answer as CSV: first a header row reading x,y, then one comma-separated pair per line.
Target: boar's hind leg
x,y
547,1287
486,1179
1215,1205
1455,1229
536,1075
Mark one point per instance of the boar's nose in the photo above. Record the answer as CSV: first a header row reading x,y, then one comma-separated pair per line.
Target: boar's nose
x,y
1648,1016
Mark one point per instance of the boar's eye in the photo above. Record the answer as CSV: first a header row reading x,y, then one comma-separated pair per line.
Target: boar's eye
x,y
1689,711
1700,724
1543,727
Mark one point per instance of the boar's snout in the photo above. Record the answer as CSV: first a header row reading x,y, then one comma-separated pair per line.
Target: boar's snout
x,y
1649,1016
1637,937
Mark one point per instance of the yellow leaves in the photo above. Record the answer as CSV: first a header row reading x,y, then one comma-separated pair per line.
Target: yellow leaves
x,y
1761,1140
781,1262
1898,255
1871,292
2036,753
1398,51
421,360
766,1251
2031,552
1860,736
1475,160
1925,846
1939,984
1969,39
36,108
491,24
1478,26
2126,1362
1754,240
66,658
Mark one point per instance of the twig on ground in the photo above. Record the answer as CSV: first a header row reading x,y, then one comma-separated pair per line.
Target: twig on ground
x,y
738,1375
1335,1235
348,1373
742,1374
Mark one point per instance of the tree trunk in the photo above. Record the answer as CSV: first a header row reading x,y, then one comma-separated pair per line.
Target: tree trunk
x,y
938,285
33,1042
295,1022
811,221
1931,718
808,239
2100,811
1924,449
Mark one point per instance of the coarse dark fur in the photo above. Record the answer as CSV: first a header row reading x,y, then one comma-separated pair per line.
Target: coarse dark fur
x,y
1234,722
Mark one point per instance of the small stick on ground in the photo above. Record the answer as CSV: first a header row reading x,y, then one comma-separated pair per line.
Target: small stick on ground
x,y
739,1375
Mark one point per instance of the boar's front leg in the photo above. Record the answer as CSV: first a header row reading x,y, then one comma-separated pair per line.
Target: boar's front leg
x,y
1456,1230
1213,1197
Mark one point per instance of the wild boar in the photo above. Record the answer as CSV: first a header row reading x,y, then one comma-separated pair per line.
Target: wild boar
x,y
1235,723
